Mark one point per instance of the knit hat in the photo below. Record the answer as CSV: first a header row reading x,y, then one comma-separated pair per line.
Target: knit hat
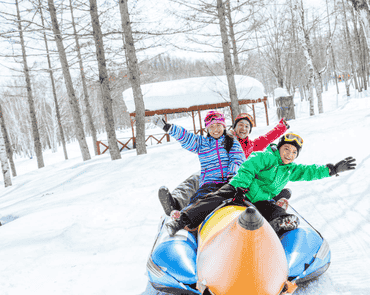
x,y
214,117
244,116
293,139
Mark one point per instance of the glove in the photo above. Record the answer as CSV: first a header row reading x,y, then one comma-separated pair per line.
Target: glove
x,y
344,165
160,122
286,124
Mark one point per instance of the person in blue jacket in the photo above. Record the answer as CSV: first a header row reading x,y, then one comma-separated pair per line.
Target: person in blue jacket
x,y
219,153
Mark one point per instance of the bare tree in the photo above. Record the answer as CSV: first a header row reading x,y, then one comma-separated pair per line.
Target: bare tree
x,y
134,76
233,39
56,104
4,162
363,11
228,62
79,131
84,84
35,130
104,83
8,146
304,40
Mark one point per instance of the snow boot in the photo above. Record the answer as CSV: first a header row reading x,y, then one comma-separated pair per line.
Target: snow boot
x,y
285,223
286,193
168,202
174,226
283,203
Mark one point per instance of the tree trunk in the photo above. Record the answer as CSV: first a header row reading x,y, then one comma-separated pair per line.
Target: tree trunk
x,y
349,46
362,9
104,83
359,51
31,103
8,146
304,39
228,62
57,112
233,41
134,76
4,162
365,54
84,86
78,127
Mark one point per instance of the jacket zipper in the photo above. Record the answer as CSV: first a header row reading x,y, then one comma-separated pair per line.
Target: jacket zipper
x,y
219,160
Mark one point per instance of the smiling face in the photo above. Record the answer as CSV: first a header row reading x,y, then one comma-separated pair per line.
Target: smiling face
x,y
242,129
216,130
288,153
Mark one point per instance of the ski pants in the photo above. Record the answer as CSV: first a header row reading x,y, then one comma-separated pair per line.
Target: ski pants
x,y
204,190
194,214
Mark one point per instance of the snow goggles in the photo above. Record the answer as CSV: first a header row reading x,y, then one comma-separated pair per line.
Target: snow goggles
x,y
293,137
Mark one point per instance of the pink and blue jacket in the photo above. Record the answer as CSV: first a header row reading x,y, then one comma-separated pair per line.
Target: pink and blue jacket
x,y
216,163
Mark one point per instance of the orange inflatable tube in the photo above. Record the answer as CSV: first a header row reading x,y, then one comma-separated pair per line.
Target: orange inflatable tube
x,y
239,253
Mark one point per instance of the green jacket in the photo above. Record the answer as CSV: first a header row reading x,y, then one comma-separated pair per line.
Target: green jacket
x,y
265,174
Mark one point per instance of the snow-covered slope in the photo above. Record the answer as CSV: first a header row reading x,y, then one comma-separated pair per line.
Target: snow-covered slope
x,y
78,227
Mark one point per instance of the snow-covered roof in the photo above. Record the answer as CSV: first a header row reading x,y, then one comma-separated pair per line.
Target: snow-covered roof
x,y
190,92
279,92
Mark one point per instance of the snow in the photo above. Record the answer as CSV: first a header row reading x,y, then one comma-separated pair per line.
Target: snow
x,y
77,227
185,93
279,92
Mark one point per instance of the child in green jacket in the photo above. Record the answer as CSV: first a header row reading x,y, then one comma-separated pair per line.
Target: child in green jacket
x,y
259,180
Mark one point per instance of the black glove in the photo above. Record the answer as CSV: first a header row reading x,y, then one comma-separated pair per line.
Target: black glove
x,y
344,165
160,122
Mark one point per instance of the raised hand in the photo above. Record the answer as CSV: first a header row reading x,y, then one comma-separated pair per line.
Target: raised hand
x,y
286,123
344,165
161,123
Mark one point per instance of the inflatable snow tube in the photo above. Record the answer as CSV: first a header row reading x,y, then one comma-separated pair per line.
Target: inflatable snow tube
x,y
235,251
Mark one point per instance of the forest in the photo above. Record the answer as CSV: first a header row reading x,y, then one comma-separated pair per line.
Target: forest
x,y
65,63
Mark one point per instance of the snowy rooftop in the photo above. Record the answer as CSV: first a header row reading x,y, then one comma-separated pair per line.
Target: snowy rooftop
x,y
186,93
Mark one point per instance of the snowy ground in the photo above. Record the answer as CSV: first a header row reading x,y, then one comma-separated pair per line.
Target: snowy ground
x,y
78,227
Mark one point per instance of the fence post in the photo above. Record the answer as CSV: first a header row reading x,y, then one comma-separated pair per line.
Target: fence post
x,y
98,147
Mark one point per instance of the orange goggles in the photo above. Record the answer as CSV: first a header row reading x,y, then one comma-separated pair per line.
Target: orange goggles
x,y
293,137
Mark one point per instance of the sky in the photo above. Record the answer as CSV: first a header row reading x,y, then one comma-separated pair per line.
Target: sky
x,y
77,227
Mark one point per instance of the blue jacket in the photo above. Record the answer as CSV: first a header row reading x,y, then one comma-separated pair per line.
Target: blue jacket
x,y
216,163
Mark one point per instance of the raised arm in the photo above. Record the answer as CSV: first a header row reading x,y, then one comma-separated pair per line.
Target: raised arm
x,y
188,140
309,172
263,141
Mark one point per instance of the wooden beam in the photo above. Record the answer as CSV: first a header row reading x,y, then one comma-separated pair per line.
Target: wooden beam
x,y
200,123
267,116
200,107
254,116
192,114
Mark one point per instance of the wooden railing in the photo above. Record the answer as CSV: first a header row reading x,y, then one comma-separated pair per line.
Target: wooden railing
x,y
105,146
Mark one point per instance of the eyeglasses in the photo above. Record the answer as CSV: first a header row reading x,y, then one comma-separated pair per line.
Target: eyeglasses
x,y
212,116
293,137
245,115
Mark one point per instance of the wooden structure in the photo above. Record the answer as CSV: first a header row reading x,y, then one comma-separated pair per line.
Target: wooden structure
x,y
193,111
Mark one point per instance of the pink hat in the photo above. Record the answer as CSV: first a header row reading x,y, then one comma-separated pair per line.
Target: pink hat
x,y
214,117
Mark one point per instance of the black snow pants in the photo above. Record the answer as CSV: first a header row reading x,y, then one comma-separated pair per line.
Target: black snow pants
x,y
194,214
